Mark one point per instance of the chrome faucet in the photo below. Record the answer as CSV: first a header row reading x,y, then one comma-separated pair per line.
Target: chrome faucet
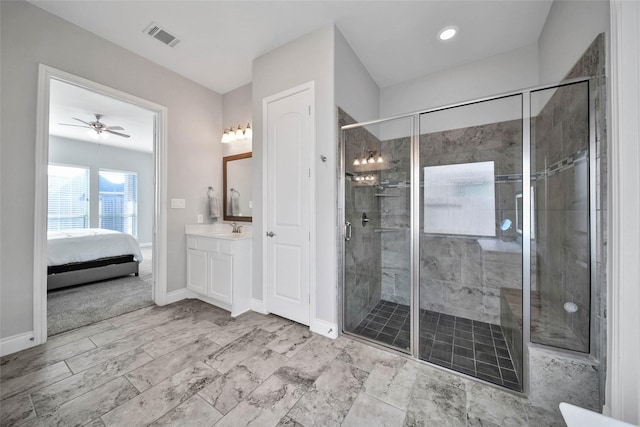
x,y
236,228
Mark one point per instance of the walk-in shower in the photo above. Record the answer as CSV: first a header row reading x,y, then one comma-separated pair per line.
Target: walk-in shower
x,y
467,230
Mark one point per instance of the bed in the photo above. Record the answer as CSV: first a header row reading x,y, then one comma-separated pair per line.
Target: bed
x,y
85,255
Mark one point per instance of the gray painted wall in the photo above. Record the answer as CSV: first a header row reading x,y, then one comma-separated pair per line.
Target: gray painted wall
x,y
309,58
570,28
236,110
30,36
356,92
96,156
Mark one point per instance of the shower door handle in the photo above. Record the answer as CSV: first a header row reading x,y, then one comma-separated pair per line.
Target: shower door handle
x,y
347,231
365,220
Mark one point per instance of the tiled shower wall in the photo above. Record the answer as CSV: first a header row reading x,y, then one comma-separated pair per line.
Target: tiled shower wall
x,y
560,161
463,275
362,252
460,275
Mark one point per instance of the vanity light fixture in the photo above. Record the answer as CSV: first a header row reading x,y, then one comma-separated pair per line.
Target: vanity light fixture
x,y
447,33
368,157
237,134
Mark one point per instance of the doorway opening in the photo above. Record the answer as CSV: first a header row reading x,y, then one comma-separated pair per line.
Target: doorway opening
x,y
100,191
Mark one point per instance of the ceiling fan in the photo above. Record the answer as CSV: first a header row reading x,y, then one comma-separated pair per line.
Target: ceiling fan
x,y
98,127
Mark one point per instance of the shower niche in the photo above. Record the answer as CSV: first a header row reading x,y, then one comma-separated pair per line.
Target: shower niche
x,y
476,234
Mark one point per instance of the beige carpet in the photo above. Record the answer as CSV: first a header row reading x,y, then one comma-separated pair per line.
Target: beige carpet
x,y
77,306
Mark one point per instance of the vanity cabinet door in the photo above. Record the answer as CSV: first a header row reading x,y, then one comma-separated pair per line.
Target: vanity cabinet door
x,y
197,270
220,276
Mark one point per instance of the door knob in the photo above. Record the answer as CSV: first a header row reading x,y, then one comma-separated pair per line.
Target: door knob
x,y
270,234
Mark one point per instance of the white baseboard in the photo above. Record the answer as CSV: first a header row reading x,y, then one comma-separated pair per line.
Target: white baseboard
x,y
16,343
258,306
145,245
179,295
322,327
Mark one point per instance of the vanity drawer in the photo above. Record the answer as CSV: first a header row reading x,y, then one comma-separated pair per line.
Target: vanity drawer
x,y
225,246
210,244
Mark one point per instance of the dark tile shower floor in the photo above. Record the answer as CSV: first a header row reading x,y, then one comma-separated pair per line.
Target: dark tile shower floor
x,y
468,346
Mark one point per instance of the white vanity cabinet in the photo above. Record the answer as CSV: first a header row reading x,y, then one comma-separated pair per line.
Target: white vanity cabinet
x,y
219,270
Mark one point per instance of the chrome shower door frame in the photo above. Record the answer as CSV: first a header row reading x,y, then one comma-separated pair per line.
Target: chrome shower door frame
x,y
527,221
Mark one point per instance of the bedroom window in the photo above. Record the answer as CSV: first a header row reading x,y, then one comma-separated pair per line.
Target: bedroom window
x,y
118,207
68,205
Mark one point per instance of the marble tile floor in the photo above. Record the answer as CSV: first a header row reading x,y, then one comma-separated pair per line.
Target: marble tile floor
x,y
190,363
468,346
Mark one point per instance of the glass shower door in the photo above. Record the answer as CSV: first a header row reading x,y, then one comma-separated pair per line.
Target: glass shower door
x,y
471,241
377,214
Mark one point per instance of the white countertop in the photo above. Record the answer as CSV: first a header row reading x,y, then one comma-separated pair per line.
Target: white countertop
x,y
218,231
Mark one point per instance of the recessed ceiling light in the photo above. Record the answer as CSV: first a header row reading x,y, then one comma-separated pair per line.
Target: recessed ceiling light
x,y
447,33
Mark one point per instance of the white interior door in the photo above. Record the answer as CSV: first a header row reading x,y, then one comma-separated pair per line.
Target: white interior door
x,y
289,144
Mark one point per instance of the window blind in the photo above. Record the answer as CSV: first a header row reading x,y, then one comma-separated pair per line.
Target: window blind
x,y
118,192
68,205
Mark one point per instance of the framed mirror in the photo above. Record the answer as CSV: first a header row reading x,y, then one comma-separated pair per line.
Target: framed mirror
x,y
236,183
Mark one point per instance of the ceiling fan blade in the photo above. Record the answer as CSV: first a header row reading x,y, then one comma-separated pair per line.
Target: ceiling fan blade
x,y
82,121
116,133
79,126
115,128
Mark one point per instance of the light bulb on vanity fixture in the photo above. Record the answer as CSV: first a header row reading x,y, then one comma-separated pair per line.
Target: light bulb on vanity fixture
x,y
239,133
236,134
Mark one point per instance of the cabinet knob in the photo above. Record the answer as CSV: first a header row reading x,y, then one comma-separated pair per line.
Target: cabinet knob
x,y
270,234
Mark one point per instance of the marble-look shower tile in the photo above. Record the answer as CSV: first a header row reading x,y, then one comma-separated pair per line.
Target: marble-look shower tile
x,y
36,358
179,338
265,406
392,382
460,296
366,357
161,398
163,367
369,411
194,412
431,292
290,340
48,399
442,268
493,405
34,380
561,378
16,410
93,404
114,349
471,272
500,275
436,402
542,418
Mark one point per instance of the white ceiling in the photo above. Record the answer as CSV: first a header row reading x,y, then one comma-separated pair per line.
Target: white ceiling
x,y
68,101
395,40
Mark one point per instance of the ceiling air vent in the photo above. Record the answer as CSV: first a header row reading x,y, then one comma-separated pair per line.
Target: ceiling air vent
x,y
159,33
